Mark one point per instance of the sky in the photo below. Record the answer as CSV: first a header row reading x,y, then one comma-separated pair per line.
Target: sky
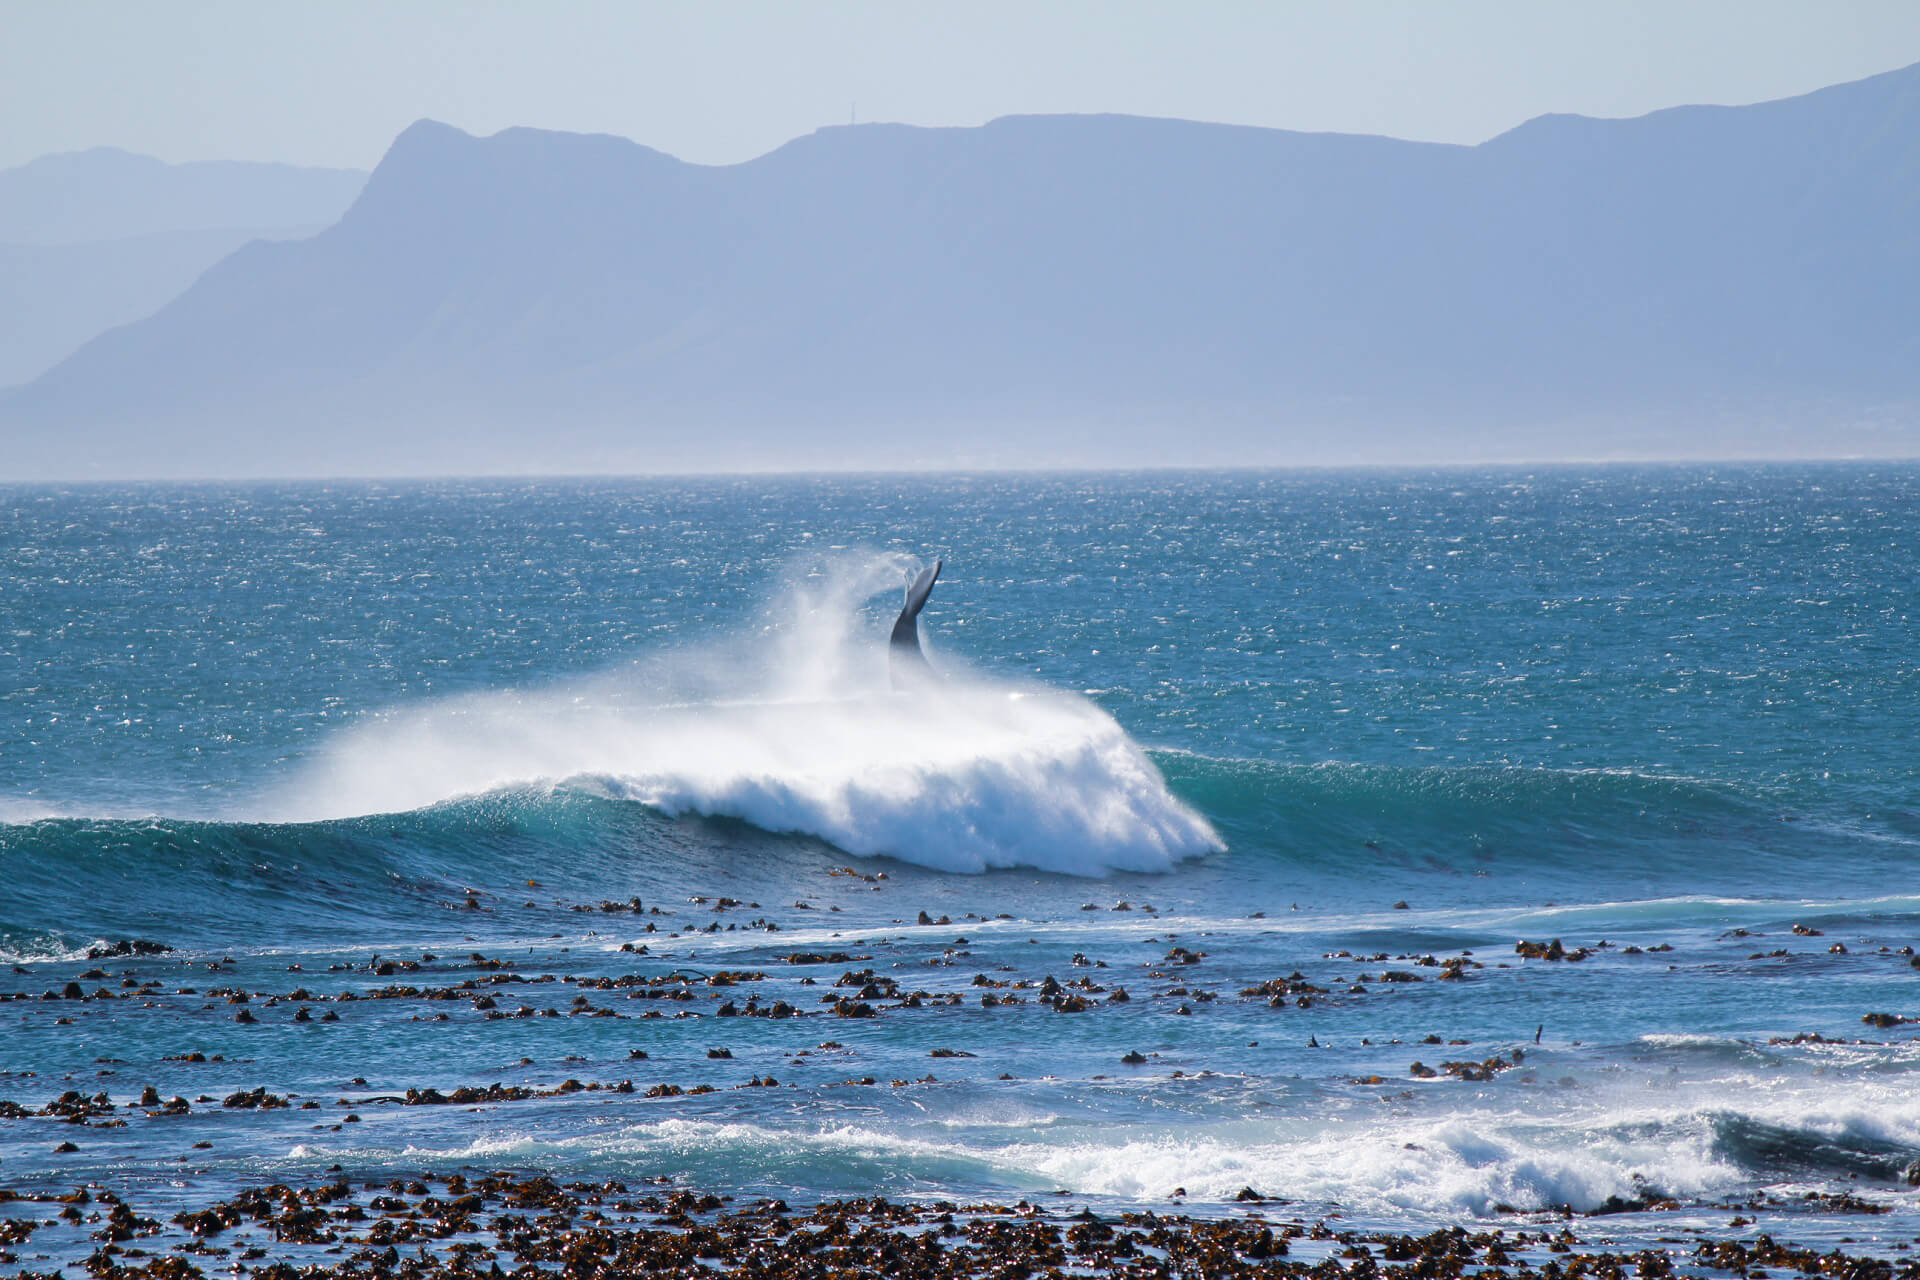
x,y
720,81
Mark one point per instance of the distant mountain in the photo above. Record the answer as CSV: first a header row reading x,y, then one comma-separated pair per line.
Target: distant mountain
x,y
1704,281
99,238
53,298
108,194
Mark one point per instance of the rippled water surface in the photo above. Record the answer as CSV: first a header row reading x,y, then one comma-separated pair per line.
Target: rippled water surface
x,y
1293,759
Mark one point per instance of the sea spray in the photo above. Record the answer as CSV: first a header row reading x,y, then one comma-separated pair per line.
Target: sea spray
x,y
790,726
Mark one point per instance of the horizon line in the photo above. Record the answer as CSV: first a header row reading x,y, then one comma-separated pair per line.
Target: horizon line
x,y
796,473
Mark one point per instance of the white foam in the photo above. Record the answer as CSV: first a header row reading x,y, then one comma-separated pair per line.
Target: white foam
x,y
1572,1148
22,812
46,950
1575,1149
1443,1168
680,1143
791,727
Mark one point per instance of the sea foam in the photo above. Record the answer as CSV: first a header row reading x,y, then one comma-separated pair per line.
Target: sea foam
x,y
790,725
1476,1163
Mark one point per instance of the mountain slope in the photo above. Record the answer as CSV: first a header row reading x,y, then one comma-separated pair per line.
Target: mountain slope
x,y
95,239
55,297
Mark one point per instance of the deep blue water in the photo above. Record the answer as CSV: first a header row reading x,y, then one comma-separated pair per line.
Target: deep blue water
x,y
285,725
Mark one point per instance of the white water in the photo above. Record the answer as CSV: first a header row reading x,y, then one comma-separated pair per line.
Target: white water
x,y
1475,1159
794,729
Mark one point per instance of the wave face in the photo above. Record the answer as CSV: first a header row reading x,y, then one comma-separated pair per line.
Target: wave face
x,y
1531,827
978,776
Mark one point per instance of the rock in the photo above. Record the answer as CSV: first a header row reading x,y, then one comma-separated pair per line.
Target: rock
x,y
128,947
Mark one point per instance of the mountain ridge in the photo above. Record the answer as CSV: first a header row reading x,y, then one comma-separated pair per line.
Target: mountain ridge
x,y
107,193
1056,289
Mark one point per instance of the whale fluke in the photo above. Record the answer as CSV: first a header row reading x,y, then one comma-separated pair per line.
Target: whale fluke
x,y
905,661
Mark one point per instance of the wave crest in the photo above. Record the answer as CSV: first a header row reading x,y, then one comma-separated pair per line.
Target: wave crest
x,y
790,728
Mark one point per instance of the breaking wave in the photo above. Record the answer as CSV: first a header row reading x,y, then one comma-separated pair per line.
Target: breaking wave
x,y
792,728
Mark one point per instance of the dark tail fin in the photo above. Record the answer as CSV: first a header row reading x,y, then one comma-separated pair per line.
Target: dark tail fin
x,y
905,661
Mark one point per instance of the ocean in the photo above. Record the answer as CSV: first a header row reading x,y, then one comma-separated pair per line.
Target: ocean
x,y
1411,849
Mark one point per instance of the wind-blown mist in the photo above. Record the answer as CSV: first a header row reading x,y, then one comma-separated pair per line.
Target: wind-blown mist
x,y
792,726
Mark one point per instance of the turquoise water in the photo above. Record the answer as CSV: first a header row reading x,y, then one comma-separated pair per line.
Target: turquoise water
x,y
271,726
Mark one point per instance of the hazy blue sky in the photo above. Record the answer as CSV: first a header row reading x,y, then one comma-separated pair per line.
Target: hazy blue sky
x,y
718,82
